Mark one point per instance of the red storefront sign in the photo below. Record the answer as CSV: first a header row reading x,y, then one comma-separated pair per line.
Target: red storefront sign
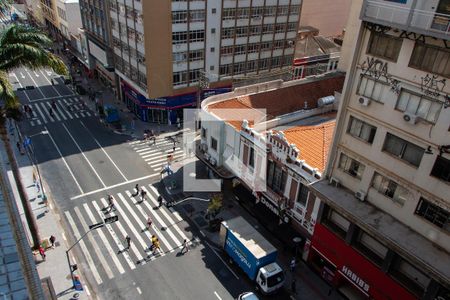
x,y
350,266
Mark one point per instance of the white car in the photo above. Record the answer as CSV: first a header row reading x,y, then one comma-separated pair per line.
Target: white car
x,y
248,296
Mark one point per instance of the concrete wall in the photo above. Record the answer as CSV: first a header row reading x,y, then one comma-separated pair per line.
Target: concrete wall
x,y
329,16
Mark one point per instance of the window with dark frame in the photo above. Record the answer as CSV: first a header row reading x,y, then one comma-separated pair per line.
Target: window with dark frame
x,y
390,189
351,166
203,132
431,59
361,130
424,107
441,168
384,46
403,149
372,89
251,159
302,195
434,214
409,276
213,143
335,222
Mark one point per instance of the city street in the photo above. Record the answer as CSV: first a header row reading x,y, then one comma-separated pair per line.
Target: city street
x,y
82,162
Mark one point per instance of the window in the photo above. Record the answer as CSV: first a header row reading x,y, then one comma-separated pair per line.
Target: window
x,y
283,10
276,177
203,132
404,150
441,168
372,89
211,68
251,66
409,276
384,46
351,166
431,59
195,55
276,61
267,28
226,50
227,32
179,37
225,69
270,11
241,31
418,105
251,159
213,143
374,250
179,17
180,78
361,130
242,13
390,189
196,36
212,49
433,213
280,28
240,49
213,11
179,56
336,222
302,195
228,13
252,48
255,30
213,30
197,15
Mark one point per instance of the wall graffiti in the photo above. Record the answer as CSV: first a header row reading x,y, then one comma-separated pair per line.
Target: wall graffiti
x,y
432,86
378,69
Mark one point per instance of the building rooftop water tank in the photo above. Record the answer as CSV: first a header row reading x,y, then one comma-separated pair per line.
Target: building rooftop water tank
x,y
325,101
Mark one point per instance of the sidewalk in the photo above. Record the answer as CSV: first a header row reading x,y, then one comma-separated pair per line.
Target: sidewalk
x,y
55,265
308,284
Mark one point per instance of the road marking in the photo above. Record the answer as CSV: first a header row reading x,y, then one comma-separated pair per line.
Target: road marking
x,y
130,226
72,104
37,86
228,267
165,214
87,290
63,236
64,160
35,74
116,238
21,75
107,155
20,84
154,227
105,240
217,295
84,249
55,112
94,244
38,109
82,153
139,290
113,186
56,90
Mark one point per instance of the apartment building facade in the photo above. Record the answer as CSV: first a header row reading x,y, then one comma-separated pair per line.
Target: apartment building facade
x,y
164,51
383,229
97,27
69,18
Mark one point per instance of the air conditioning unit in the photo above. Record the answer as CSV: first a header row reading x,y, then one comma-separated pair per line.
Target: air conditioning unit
x,y
334,181
212,160
364,101
360,195
410,118
204,147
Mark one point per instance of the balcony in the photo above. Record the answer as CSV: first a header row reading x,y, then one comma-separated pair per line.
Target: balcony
x,y
406,18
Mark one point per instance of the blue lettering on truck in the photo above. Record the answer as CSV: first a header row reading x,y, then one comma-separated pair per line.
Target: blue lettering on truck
x,y
241,255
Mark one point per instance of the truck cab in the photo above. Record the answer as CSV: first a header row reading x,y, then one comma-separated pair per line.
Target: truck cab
x,y
270,278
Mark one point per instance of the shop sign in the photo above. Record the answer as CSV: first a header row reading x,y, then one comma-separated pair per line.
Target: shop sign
x,y
355,279
269,205
157,101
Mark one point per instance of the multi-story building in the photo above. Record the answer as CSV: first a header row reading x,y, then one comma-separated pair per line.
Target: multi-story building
x,y
50,14
69,18
164,51
383,229
96,26
274,148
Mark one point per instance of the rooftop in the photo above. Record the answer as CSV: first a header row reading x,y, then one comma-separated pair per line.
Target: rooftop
x,y
310,46
411,244
313,137
277,102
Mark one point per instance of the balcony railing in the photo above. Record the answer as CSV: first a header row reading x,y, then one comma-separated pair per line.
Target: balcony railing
x,y
426,22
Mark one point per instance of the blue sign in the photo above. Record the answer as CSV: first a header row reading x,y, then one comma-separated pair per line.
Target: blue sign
x,y
26,142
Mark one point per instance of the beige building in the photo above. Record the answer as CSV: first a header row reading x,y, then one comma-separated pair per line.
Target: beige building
x,y
384,225
329,16
164,50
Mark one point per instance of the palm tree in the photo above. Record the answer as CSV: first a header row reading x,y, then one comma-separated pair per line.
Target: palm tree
x,y
22,46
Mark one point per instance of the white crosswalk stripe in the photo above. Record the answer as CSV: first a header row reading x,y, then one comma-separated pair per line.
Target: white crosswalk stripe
x,y
104,248
67,108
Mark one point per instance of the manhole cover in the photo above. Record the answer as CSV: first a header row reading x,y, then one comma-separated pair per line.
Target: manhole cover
x,y
200,221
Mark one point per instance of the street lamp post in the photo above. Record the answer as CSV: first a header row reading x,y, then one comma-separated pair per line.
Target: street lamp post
x,y
106,221
29,145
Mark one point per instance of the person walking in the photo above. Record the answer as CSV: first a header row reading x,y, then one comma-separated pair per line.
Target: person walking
x,y
160,201
54,105
52,240
185,246
42,252
128,243
143,195
149,222
156,247
293,264
50,111
111,205
136,190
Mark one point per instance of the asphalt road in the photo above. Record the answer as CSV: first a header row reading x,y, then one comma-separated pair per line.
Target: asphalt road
x,y
82,162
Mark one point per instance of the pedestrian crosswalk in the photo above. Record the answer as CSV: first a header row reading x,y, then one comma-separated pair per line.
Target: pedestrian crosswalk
x,y
156,152
104,249
64,108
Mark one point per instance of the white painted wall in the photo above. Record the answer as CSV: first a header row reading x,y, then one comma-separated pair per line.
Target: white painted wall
x,y
213,39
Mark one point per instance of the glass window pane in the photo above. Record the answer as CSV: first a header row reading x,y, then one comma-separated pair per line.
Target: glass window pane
x,y
434,111
373,245
339,220
378,92
413,154
362,85
401,194
403,101
369,88
366,132
429,58
376,182
393,145
423,109
413,104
